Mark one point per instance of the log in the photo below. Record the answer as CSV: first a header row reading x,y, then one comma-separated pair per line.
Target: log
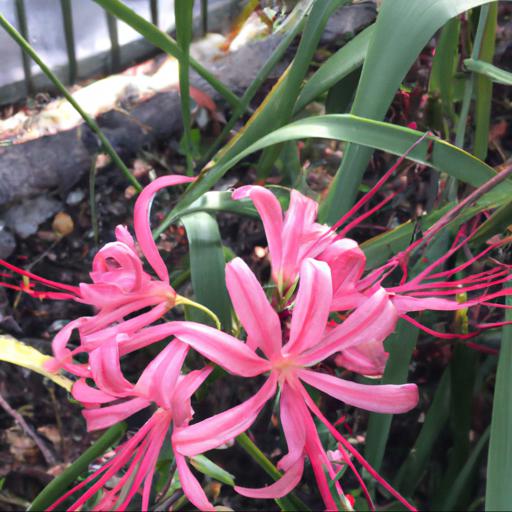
x,y
58,161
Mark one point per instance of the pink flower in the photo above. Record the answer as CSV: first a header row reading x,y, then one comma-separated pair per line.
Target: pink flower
x,y
115,399
288,361
120,287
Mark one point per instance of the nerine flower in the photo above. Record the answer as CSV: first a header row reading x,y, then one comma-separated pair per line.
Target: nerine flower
x,y
113,399
288,364
299,236
120,287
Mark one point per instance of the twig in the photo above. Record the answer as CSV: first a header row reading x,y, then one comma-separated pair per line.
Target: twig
x,y
47,454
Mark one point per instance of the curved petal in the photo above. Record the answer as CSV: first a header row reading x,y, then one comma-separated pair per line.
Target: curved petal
x,y
86,394
405,304
212,432
374,320
187,385
292,409
299,228
222,349
103,417
271,215
106,370
253,308
312,305
278,489
158,380
191,487
368,358
387,398
142,226
124,236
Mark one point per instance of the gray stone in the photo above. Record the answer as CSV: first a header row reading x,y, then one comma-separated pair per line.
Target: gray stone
x,y
7,244
24,218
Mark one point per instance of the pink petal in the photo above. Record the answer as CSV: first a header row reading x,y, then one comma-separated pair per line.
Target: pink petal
x,y
228,352
271,215
278,489
222,427
124,236
86,394
366,359
106,416
299,220
191,487
187,385
142,226
106,370
374,320
252,307
158,380
388,398
312,305
405,304
292,410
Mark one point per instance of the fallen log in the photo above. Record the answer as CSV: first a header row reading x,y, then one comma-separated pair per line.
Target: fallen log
x,y
60,159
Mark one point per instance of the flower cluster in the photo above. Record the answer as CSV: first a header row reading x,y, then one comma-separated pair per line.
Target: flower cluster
x,y
319,277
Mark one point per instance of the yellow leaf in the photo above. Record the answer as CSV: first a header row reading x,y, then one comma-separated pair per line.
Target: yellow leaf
x,y
16,352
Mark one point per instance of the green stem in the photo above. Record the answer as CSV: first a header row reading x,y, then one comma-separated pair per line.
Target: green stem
x,y
23,43
58,485
183,301
92,199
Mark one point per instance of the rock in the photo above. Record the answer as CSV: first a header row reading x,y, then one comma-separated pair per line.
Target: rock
x,y
7,244
25,218
348,21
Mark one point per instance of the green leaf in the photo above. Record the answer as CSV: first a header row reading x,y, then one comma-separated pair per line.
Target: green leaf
x,y
183,14
209,468
436,417
483,86
281,104
496,74
339,65
207,264
401,345
387,137
59,485
15,352
164,42
402,30
91,123
498,493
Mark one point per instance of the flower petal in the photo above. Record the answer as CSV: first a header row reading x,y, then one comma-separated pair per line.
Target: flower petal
x,y
292,410
191,487
253,308
106,370
228,352
387,398
278,489
142,226
158,380
368,358
271,215
311,306
86,394
103,417
222,427
374,320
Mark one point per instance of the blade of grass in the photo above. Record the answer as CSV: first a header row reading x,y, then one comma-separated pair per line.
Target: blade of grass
x,y
483,86
294,24
415,465
402,29
281,104
67,23
23,43
387,137
207,263
164,42
498,492
183,15
58,485
339,65
21,17
496,74
401,346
